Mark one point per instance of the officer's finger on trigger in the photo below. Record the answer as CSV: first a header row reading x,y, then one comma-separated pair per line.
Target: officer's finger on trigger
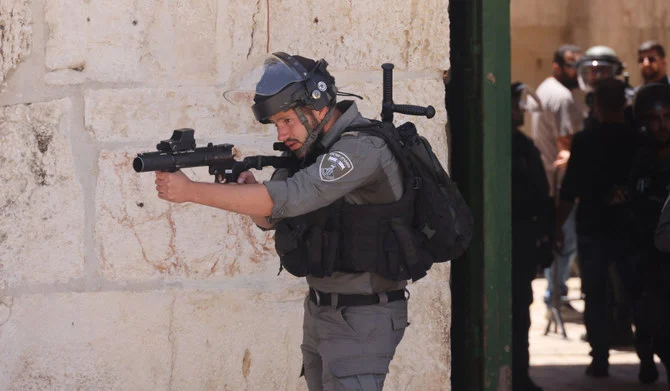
x,y
242,178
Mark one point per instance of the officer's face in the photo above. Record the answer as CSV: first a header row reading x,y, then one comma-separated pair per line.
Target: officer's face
x,y
652,66
657,122
289,129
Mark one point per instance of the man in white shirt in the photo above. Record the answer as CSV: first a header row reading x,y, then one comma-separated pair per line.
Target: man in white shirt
x,y
552,128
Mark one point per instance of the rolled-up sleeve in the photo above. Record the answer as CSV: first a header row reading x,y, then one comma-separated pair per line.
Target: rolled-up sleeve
x,y
352,162
662,235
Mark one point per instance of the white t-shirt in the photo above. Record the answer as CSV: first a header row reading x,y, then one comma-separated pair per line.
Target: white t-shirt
x,y
562,114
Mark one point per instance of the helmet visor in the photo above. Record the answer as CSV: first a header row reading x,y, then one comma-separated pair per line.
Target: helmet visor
x,y
589,72
263,75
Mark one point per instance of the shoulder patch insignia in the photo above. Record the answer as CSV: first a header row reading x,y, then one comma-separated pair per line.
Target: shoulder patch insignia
x,y
334,166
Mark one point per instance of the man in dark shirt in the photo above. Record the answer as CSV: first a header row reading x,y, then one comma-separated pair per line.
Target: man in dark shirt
x,y
532,212
652,109
649,187
595,179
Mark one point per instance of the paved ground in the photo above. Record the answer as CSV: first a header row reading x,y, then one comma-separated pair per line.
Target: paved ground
x,y
558,364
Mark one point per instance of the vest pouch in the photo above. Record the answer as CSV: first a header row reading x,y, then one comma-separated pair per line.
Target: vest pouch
x,y
322,250
394,267
309,244
291,248
330,250
414,257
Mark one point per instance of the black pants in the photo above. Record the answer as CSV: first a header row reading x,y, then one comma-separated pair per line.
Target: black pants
x,y
522,297
597,258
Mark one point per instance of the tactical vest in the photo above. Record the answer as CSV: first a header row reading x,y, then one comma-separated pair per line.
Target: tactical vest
x,y
342,237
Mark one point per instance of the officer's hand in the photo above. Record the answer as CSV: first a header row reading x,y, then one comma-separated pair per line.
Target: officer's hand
x,y
247,178
173,186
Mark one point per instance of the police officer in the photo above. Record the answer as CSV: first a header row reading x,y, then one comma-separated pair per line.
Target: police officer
x,y
649,187
652,105
598,169
354,317
600,62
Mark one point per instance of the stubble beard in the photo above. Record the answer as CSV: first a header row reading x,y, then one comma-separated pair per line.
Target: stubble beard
x,y
651,76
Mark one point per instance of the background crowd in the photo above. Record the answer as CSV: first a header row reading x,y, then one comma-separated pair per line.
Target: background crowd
x,y
590,178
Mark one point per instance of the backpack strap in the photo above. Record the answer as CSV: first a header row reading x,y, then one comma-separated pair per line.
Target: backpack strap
x,y
389,133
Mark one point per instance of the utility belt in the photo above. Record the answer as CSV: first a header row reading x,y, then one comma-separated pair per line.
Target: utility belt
x,y
337,300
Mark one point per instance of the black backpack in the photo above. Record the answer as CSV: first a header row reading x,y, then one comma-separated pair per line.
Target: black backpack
x,y
441,215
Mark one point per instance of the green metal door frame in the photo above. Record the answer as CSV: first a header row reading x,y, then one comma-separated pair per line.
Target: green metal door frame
x,y
478,104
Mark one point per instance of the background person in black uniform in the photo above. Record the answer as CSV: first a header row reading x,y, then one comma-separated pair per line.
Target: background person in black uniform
x,y
596,176
532,223
649,187
652,105
353,320
599,63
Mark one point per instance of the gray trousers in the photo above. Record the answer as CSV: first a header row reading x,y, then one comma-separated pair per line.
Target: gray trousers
x,y
350,348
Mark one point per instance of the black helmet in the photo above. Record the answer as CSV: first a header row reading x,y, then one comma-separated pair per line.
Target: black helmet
x,y
648,97
599,62
279,82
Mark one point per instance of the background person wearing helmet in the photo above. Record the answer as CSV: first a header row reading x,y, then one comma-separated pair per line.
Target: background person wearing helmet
x,y
598,63
353,320
552,127
598,170
648,189
602,63
652,62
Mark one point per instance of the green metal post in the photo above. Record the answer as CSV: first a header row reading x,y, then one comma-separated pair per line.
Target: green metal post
x,y
478,103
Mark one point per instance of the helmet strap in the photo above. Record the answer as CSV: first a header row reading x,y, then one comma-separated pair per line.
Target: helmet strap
x,y
313,133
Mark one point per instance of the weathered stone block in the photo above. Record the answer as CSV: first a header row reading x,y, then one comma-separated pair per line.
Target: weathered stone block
x,y
123,41
363,35
67,43
152,114
140,236
193,340
225,341
41,205
93,341
154,340
422,360
15,34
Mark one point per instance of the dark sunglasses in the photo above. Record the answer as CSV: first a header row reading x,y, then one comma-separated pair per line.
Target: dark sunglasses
x,y
651,59
571,65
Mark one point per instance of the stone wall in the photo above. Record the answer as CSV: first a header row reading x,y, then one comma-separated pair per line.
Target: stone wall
x,y
104,286
540,27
